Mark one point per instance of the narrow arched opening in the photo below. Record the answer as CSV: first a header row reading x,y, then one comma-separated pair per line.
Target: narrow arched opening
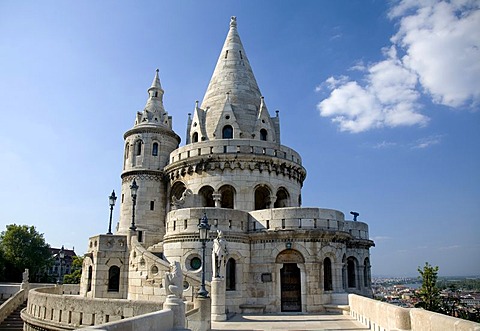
x,y
230,271
263,134
195,137
206,194
227,197
227,132
155,149
114,279
351,273
327,275
282,198
262,198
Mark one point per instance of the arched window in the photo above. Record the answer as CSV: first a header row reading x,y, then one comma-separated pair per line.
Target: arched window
x,y
138,147
351,274
206,193
155,149
263,134
227,198
195,137
282,198
227,132
114,279
89,279
176,192
327,275
127,151
262,198
230,275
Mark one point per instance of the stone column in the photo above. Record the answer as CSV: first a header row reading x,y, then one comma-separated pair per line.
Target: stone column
x,y
178,307
338,277
217,198
218,299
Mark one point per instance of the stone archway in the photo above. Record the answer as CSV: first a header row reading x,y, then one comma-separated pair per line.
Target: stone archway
x,y
290,280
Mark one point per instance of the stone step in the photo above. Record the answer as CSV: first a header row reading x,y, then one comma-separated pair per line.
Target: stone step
x,y
13,322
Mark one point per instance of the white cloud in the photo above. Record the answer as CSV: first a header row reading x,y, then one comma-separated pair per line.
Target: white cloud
x,y
440,43
384,144
427,142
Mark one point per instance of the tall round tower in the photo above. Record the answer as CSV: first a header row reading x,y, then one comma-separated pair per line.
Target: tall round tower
x,y
147,149
233,157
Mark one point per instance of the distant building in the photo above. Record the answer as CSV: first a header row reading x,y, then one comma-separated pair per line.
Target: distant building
x,y
62,264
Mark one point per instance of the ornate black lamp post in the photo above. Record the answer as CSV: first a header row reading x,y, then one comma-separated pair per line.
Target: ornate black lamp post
x,y
112,198
133,188
203,228
61,257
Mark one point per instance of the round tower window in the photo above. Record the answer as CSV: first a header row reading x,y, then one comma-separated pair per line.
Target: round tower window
x,y
195,263
154,270
227,117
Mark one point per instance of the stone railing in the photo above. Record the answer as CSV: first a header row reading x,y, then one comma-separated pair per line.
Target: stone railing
x,y
380,316
235,146
157,321
47,308
11,304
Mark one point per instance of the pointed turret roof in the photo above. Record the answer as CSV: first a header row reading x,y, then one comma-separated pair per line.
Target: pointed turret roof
x,y
233,75
154,111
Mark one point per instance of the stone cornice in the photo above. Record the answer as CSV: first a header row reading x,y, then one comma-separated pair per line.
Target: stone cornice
x,y
152,129
128,176
230,162
297,235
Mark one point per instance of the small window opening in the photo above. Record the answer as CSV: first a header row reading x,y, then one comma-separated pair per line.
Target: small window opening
x,y
155,149
156,94
195,137
227,132
226,54
263,134
152,205
241,57
138,147
268,224
114,279
140,236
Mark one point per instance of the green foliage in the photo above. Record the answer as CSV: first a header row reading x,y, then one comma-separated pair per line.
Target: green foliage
x,y
76,273
23,247
429,293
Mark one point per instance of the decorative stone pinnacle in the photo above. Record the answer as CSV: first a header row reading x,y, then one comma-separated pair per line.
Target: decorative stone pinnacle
x,y
157,70
233,21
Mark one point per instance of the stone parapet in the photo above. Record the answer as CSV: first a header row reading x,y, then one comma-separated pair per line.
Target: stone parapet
x,y
383,316
235,146
47,308
157,321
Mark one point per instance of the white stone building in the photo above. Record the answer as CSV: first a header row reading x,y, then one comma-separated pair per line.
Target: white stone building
x,y
233,169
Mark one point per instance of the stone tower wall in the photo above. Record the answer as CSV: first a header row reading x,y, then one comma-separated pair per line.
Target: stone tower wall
x,y
147,169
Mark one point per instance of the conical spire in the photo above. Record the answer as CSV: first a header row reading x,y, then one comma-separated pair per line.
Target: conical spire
x,y
154,112
232,75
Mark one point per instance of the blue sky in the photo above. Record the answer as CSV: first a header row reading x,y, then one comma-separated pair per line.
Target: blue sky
x,y
381,99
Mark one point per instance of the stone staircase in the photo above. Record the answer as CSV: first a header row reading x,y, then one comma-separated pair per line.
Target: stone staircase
x,y
13,322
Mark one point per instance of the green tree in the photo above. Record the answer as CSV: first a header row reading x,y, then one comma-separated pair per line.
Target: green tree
x,y
76,273
23,247
429,294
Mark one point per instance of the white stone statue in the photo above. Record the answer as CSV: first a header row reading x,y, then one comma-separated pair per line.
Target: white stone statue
x,y
174,280
219,255
25,276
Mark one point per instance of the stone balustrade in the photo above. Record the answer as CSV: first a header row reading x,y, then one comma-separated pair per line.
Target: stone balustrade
x,y
381,316
47,308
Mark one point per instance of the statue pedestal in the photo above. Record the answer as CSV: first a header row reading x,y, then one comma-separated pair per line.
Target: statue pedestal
x,y
218,299
178,307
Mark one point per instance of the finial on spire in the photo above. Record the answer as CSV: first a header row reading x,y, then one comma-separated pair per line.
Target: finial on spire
x,y
233,21
157,70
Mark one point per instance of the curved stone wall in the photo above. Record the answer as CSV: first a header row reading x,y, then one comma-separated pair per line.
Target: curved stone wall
x,y
48,309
